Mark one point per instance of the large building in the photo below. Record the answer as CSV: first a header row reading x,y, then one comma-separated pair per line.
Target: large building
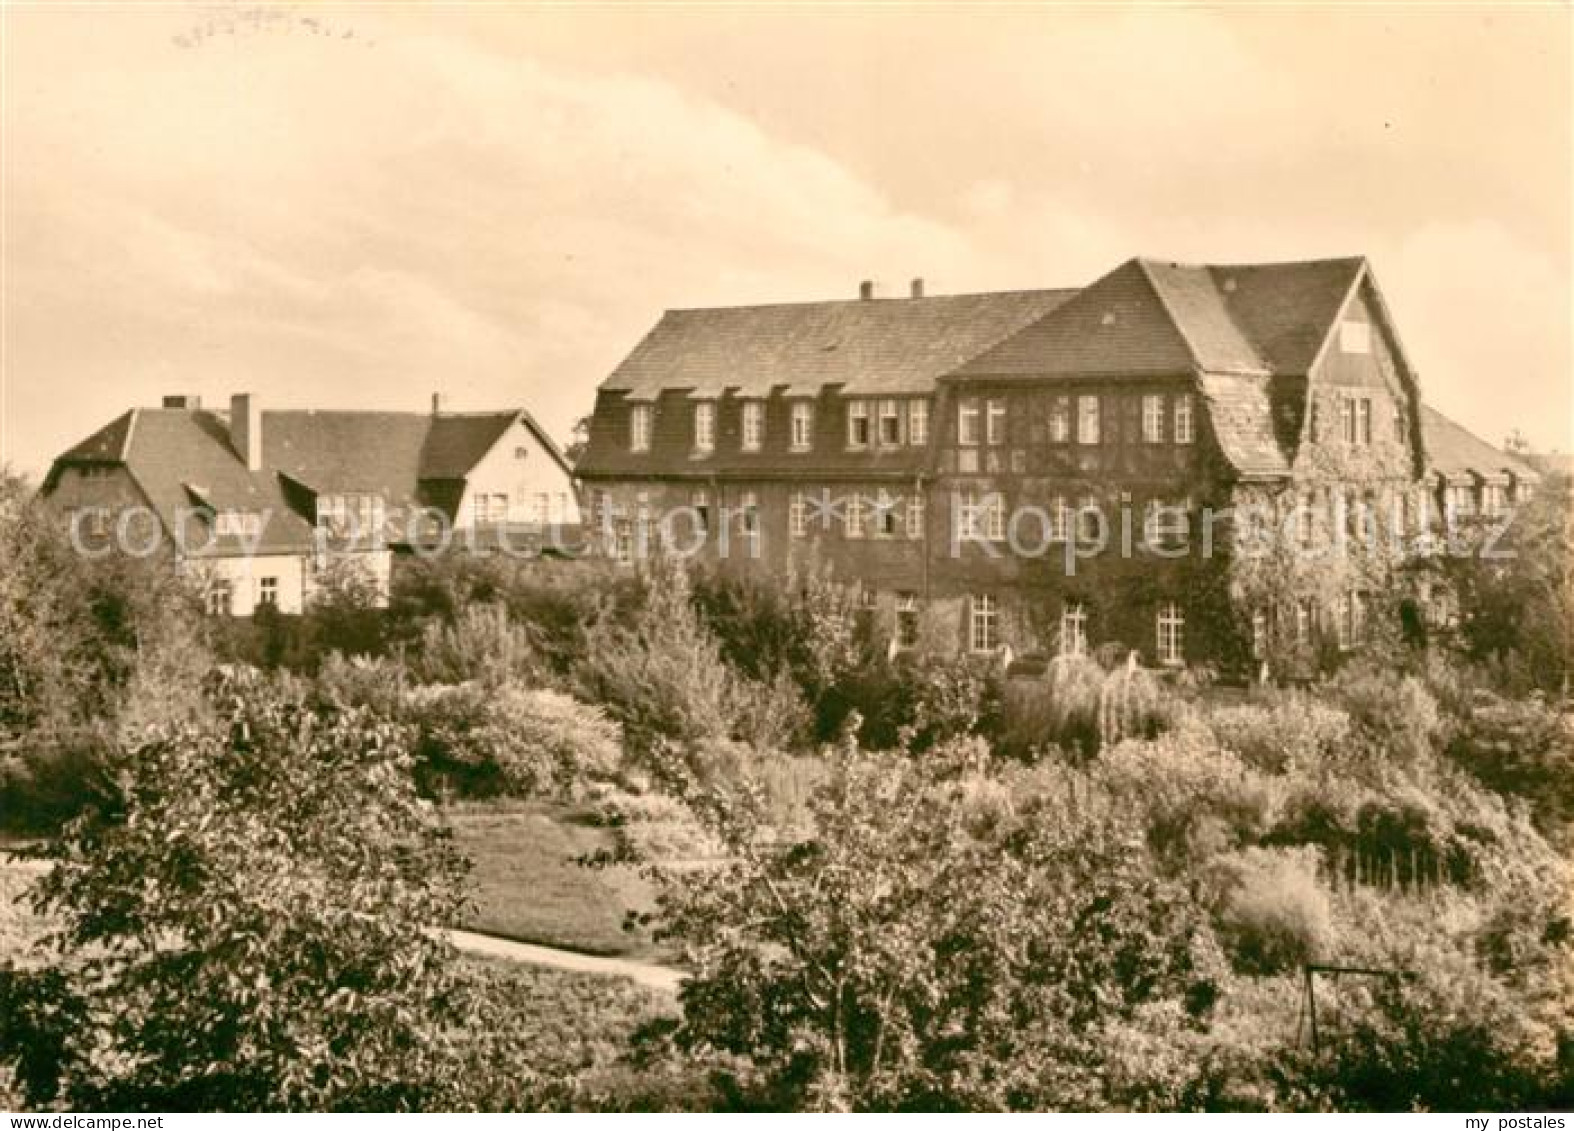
x,y
1050,470
258,506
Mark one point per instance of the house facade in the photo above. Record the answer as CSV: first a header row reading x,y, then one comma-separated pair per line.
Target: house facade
x,y
1218,463
260,507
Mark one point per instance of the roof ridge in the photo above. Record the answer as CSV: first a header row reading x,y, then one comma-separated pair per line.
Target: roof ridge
x,y
867,301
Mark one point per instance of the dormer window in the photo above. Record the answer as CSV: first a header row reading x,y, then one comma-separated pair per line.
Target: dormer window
x,y
802,426
639,428
890,424
753,425
705,427
857,424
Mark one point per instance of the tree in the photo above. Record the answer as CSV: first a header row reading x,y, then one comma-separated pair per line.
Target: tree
x,y
936,942
245,925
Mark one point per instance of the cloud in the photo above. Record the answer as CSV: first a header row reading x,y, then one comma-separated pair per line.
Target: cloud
x,y
499,205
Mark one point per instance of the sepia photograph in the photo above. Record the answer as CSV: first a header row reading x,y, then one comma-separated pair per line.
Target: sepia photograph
x,y
709,557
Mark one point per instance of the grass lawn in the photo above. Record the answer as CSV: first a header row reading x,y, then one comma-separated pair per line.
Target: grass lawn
x,y
526,885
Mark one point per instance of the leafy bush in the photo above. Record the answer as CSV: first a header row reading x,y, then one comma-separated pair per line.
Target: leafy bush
x,y
663,677
1275,914
1523,748
1293,729
482,741
483,643
246,926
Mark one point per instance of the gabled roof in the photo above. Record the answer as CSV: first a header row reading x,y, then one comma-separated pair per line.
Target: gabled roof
x,y
868,346
1157,318
1241,410
108,443
1116,326
1454,452
184,458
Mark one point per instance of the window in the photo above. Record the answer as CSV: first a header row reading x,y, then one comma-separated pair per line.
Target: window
x,y
1073,629
1355,337
1087,420
218,597
560,510
497,508
890,424
885,515
1152,418
906,620
1184,425
1352,620
798,515
1090,520
1165,523
1171,626
1305,620
639,428
700,501
1259,635
1059,518
915,515
984,623
1363,419
753,425
268,591
853,524
857,424
967,422
749,506
521,452
1459,500
705,426
542,512
995,517
918,422
1306,520
995,422
1060,420
967,513
802,426
1494,499
1347,419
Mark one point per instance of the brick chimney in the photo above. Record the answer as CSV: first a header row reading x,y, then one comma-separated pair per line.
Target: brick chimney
x,y
246,429
439,403
917,289
866,290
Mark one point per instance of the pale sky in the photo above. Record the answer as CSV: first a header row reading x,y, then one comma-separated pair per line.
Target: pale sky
x,y
358,206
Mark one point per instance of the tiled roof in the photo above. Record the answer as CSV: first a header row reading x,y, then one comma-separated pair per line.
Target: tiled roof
x,y
108,443
182,457
1453,452
1154,317
870,346
1114,327
1242,417
1287,309
178,457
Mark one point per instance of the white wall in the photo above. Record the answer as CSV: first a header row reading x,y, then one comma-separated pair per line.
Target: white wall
x,y
521,468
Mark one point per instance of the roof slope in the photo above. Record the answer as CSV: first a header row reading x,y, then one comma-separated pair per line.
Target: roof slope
x,y
1287,309
108,443
182,458
1117,326
869,346
1453,451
